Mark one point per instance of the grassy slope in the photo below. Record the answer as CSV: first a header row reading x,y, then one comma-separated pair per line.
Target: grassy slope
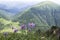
x,y
5,25
41,14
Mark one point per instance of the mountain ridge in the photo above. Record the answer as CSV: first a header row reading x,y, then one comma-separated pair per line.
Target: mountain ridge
x,y
43,15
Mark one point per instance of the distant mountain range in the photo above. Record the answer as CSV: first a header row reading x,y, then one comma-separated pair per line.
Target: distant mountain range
x,y
5,15
13,10
16,8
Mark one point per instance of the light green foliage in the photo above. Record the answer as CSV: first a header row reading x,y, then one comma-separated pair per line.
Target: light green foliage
x,y
6,25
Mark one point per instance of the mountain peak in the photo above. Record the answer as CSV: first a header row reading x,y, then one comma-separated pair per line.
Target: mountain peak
x,y
47,3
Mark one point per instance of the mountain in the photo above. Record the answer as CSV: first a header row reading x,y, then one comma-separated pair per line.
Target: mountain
x,y
44,14
6,15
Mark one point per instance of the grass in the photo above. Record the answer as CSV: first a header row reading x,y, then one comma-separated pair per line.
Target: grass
x,y
28,36
24,35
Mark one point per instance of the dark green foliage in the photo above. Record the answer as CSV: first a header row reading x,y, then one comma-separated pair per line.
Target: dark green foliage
x,y
54,27
54,31
29,36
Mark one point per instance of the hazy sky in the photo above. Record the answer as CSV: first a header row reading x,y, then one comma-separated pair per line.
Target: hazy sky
x,y
58,1
25,1
12,3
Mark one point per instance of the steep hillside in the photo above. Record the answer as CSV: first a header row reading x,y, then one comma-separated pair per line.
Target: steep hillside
x,y
43,14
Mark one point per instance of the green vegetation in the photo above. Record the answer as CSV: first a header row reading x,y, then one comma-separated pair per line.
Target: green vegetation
x,y
43,15
6,25
29,36
5,15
